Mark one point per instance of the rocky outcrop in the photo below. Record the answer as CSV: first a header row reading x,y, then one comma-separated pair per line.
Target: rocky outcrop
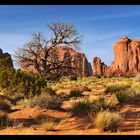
x,y
5,61
79,61
126,61
98,67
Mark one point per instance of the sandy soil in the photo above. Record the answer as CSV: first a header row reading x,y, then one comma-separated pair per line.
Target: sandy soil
x,y
69,125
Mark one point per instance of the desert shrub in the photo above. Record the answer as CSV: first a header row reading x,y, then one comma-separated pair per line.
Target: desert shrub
x,y
55,87
107,120
85,88
76,93
48,90
104,76
17,125
21,83
17,97
137,78
112,102
3,118
98,76
121,96
86,105
135,85
102,104
73,78
4,105
22,102
82,107
116,87
49,126
45,101
99,104
134,91
105,104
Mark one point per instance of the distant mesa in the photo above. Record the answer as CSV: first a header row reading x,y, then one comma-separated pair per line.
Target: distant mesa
x,y
79,59
126,59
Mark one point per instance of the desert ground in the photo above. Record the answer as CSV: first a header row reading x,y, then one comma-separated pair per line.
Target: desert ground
x,y
61,121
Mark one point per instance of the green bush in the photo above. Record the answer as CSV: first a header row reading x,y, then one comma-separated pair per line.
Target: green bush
x,y
76,93
82,107
107,120
16,82
45,101
5,105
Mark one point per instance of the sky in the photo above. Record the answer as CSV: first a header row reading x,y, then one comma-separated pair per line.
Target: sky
x,y
100,25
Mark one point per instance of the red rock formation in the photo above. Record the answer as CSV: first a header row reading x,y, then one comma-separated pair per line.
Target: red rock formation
x,y
97,66
79,61
127,59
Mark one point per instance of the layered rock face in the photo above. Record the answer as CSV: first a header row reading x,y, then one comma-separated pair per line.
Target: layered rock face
x,y
79,61
5,61
126,62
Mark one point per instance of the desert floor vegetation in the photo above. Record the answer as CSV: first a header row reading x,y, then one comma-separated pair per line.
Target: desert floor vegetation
x,y
88,105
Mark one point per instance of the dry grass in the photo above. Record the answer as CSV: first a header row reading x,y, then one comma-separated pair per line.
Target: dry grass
x,y
82,107
111,88
45,101
107,120
76,92
50,126
3,119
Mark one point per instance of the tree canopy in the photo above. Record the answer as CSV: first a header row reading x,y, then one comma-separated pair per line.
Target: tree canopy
x,y
39,52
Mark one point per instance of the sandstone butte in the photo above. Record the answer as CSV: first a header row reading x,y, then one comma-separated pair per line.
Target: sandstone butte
x,y
126,59
79,59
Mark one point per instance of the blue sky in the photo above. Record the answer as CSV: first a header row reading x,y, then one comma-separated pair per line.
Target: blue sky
x,y
101,25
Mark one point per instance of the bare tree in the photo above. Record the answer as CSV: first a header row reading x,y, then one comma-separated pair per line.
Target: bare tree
x,y
40,53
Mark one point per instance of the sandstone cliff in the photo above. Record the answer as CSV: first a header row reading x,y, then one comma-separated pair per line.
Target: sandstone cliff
x,y
126,61
79,61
